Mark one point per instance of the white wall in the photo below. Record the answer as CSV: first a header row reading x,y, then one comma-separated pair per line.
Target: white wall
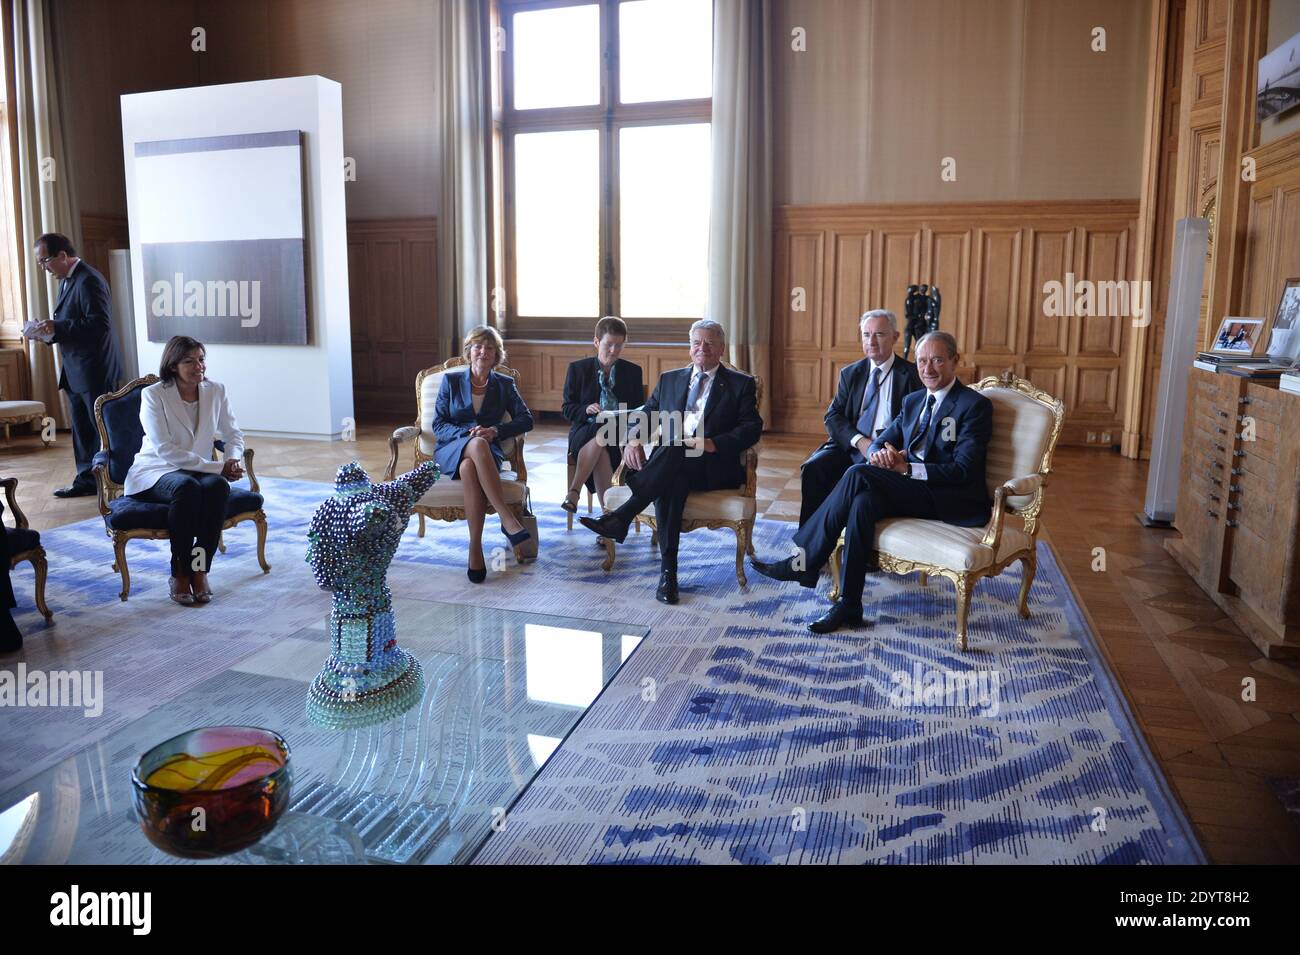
x,y
281,390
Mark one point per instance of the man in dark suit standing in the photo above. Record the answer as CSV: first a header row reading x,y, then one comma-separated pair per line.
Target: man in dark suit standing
x,y
83,326
929,463
869,397
712,415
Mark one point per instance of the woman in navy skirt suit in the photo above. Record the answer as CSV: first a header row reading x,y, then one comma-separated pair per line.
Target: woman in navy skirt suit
x,y
468,424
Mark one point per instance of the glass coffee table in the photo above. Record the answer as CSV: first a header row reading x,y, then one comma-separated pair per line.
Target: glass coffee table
x,y
503,689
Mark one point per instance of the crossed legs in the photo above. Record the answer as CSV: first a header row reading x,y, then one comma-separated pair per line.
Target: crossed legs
x,y
593,462
481,481
864,496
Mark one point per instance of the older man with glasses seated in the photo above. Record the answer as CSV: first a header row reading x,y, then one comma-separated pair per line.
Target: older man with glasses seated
x,y
713,417
869,397
929,463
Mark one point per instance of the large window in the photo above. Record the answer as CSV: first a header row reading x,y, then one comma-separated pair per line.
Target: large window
x,y
602,154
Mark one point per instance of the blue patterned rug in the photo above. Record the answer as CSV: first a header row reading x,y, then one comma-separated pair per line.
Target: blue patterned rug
x,y
731,734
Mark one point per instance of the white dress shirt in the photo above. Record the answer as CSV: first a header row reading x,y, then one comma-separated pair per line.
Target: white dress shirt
x,y
883,417
918,469
695,412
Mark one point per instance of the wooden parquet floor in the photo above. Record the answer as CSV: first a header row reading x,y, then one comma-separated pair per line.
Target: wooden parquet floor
x,y
1181,662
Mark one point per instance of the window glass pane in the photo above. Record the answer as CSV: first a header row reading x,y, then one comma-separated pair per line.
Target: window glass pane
x,y
664,220
557,57
557,223
665,50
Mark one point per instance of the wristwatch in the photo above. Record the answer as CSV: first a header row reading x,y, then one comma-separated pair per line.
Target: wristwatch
x,y
909,468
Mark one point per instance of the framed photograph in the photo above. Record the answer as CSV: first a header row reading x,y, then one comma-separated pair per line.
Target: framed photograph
x,y
1284,340
1278,82
1238,336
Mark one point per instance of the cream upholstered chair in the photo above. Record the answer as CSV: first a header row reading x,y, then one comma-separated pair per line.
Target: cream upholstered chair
x,y
1026,425
22,412
445,501
734,508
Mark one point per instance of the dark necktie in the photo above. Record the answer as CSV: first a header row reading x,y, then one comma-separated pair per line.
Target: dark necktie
x,y
918,439
867,420
692,395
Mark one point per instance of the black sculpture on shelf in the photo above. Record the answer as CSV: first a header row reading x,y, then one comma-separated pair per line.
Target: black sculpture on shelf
x,y
921,309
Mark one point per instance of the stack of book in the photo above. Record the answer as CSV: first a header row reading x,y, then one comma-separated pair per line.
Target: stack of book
x,y
1244,366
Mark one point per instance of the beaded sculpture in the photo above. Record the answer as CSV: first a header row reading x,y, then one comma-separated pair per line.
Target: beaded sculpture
x,y
368,678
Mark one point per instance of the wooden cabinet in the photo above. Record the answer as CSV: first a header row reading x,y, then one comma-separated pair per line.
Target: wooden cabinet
x,y
15,376
1239,505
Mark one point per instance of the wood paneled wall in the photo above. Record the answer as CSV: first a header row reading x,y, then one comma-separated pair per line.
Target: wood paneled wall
x,y
990,261
99,236
15,375
1273,226
393,287
542,366
1200,125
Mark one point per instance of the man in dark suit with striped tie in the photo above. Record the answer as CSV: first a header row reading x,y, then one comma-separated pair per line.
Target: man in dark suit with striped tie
x,y
82,326
929,463
712,417
869,397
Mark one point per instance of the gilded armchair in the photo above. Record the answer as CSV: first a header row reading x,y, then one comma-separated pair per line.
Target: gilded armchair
x,y
445,501
1026,425
117,414
733,508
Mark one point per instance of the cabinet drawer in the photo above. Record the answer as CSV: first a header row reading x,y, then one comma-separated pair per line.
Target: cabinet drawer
x,y
1261,403
1252,462
1265,444
1254,567
1211,434
1255,506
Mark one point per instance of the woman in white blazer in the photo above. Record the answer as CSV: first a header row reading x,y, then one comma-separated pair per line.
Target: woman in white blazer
x,y
182,415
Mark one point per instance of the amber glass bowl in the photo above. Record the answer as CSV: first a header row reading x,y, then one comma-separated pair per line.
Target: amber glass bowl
x,y
212,791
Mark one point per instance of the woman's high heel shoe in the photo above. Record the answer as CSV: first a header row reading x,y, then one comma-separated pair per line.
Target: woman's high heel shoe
x,y
516,539
476,576
180,591
570,503
199,586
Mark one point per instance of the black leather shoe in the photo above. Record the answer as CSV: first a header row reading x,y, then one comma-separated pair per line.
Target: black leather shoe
x,y
667,592
74,490
476,576
784,570
607,525
840,615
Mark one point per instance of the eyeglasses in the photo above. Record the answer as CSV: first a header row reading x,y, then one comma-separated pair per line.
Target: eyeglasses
x,y
41,260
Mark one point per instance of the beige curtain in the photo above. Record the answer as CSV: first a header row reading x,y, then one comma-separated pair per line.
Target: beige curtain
x,y
49,196
740,214
465,113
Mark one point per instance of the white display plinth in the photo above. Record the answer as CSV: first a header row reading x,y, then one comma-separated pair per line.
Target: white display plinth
x,y
300,391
